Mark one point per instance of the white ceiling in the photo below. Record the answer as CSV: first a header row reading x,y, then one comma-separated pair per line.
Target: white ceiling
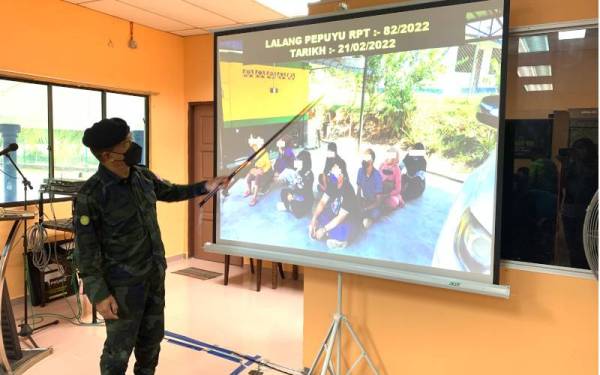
x,y
184,17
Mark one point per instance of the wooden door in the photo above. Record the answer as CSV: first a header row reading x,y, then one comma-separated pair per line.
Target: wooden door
x,y
201,157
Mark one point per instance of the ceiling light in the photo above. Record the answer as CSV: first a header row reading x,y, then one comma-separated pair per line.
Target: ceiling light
x,y
534,71
571,34
538,87
535,43
289,8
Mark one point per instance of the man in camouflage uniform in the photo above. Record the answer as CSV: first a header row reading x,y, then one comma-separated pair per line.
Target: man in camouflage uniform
x,y
120,254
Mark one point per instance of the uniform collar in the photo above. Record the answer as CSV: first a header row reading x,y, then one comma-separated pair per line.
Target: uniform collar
x,y
109,178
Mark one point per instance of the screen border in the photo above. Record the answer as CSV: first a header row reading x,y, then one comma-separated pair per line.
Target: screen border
x,y
220,244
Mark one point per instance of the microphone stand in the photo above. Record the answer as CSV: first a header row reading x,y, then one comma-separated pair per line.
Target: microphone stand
x,y
26,330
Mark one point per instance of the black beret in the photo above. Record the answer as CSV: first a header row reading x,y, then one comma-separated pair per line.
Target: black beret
x,y
106,133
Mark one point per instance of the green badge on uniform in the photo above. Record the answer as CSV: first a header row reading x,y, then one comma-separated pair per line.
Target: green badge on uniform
x,y
84,220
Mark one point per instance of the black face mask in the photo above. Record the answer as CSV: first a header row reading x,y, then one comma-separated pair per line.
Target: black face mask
x,y
365,164
133,156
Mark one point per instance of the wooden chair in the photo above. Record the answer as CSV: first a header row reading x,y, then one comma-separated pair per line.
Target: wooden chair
x,y
274,270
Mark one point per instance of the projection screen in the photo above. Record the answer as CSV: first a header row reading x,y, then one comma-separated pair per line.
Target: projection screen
x,y
394,172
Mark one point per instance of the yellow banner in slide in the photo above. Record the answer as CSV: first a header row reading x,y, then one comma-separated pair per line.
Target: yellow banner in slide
x,y
255,95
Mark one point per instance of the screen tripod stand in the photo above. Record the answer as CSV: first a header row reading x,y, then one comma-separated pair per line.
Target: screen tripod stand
x,y
334,338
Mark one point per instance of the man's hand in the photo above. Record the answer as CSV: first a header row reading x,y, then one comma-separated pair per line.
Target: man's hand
x,y
312,229
218,182
320,233
108,308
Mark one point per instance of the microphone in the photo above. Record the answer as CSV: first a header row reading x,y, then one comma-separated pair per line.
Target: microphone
x,y
11,147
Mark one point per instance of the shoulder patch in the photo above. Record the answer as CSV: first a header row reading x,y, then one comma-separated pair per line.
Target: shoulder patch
x,y
84,220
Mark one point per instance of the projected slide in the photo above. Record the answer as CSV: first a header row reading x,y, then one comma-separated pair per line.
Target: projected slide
x,y
396,164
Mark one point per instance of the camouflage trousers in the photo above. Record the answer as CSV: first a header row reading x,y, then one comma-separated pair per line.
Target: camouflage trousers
x,y
140,326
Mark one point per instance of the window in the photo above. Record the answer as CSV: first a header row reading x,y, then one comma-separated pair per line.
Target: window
x,y
74,110
552,145
24,121
132,109
49,137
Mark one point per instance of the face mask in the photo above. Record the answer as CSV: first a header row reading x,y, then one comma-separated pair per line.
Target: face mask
x,y
280,144
336,172
133,156
298,164
387,172
330,154
365,164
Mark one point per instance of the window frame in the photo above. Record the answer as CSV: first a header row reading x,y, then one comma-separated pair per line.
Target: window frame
x,y
540,267
50,121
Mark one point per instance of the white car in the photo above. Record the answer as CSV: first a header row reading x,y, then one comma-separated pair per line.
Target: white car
x,y
466,240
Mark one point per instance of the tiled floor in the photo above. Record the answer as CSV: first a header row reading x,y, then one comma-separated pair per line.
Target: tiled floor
x,y
236,317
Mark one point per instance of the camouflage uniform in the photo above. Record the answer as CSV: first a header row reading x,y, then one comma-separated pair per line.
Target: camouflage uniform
x,y
120,252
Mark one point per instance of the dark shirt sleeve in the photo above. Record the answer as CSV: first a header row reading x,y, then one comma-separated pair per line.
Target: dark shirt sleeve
x,y
378,182
332,190
349,203
309,181
290,157
168,192
88,250
306,191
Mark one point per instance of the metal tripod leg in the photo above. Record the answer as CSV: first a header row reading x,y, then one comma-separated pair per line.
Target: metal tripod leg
x,y
330,368
35,345
363,352
331,341
318,357
333,337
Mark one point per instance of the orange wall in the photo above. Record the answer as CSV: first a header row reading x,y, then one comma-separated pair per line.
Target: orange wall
x,y
198,68
548,326
55,39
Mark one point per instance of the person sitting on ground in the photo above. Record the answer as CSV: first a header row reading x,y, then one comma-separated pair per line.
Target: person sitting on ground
x,y
332,157
369,189
284,164
413,176
333,219
261,174
298,197
392,181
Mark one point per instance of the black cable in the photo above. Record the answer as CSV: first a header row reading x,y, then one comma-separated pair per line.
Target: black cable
x,y
77,315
